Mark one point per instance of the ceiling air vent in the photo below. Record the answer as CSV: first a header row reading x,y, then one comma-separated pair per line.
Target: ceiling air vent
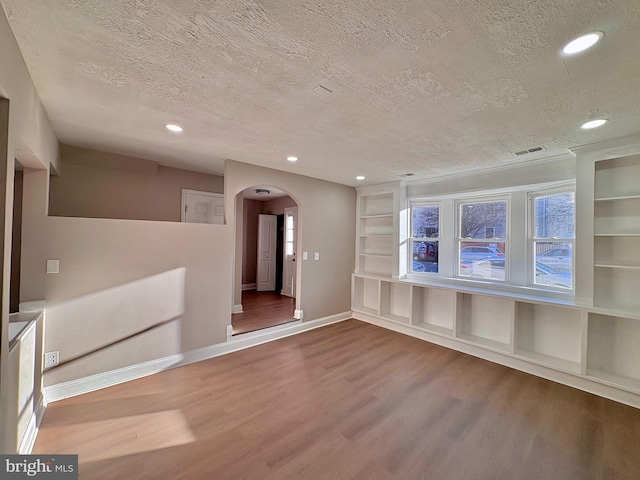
x,y
531,150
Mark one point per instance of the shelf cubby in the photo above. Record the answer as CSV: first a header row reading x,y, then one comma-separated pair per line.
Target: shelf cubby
x,y
613,353
376,245
617,251
434,309
617,177
375,264
485,320
366,295
376,205
395,301
616,288
376,226
549,335
617,217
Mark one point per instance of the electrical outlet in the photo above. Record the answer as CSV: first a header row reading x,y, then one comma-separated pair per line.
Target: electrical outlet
x,y
51,359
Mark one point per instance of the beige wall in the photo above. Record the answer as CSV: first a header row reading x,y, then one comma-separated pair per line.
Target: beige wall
x,y
28,136
104,185
251,210
133,291
277,205
326,222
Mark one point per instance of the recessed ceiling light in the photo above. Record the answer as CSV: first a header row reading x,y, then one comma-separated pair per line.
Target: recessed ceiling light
x,y
582,43
593,124
173,127
360,177
291,158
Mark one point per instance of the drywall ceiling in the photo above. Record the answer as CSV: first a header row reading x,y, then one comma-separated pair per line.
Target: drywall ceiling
x,y
425,86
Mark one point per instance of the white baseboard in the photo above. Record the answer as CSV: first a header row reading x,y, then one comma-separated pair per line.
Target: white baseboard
x,y
29,438
249,286
237,308
565,378
91,383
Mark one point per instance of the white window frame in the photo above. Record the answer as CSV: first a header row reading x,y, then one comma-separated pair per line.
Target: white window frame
x,y
458,230
532,239
411,238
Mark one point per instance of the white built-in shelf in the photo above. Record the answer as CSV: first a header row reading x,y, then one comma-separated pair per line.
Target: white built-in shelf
x,y
485,342
549,360
376,235
381,215
364,254
616,265
609,234
628,383
447,332
367,310
616,198
396,318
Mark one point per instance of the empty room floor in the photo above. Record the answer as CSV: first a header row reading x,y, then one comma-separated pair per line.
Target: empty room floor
x,y
345,401
262,310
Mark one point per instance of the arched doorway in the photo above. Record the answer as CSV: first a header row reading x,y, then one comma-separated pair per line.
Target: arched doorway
x,y
266,242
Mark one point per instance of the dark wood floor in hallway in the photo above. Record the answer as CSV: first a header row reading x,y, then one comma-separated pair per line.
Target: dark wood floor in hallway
x,y
346,401
262,310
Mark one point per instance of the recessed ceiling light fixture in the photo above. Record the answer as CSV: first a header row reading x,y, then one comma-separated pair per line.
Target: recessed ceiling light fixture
x,y
174,127
593,124
360,177
582,43
291,158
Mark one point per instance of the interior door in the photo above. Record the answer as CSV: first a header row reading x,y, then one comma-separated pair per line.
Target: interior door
x,y
266,271
202,207
289,269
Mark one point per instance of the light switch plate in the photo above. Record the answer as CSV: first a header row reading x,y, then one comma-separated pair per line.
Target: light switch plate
x,y
305,255
53,266
317,256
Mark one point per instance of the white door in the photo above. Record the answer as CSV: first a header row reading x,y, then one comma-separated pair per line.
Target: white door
x,y
266,274
289,257
202,207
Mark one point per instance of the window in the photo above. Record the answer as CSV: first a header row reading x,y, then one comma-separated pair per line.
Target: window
x,y
482,239
425,233
552,240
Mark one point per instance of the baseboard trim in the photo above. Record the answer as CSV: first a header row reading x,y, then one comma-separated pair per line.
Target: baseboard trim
x,y
31,433
565,378
91,383
237,308
248,286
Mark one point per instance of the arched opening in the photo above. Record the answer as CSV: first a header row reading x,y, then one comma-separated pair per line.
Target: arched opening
x,y
267,238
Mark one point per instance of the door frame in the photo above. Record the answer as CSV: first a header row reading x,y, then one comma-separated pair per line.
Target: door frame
x,y
289,210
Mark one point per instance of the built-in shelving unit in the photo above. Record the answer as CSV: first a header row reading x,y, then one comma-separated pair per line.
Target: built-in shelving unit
x,y
590,341
434,310
613,350
616,224
549,335
377,230
485,320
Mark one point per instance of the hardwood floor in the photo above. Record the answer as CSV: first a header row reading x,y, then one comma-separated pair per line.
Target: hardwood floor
x,y
262,310
346,401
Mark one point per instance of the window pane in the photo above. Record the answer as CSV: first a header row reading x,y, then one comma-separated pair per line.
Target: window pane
x,y
289,248
554,264
425,257
425,221
482,260
554,216
483,220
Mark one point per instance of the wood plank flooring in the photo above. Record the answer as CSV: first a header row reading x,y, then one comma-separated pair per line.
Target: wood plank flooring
x,y
348,401
262,310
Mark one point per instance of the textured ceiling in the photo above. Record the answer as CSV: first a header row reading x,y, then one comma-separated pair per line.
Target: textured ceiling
x,y
425,86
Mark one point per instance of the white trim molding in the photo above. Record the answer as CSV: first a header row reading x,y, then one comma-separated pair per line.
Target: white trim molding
x,y
98,381
237,308
248,286
29,438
